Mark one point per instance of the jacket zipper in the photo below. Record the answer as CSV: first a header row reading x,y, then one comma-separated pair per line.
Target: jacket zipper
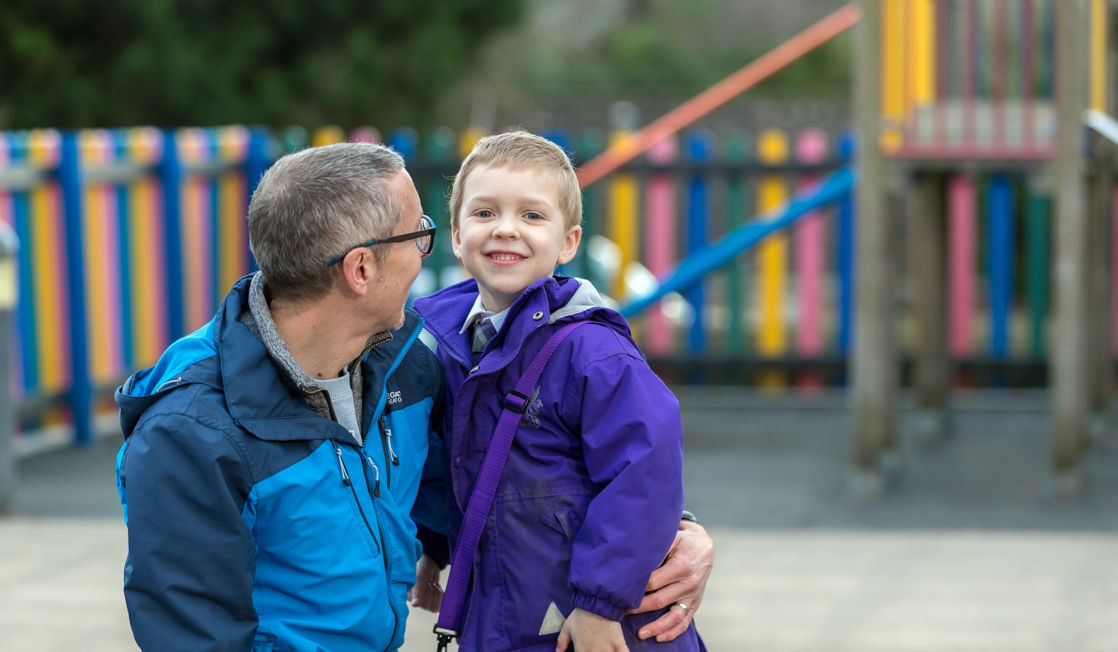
x,y
389,454
396,365
349,483
380,529
390,457
378,417
384,554
376,480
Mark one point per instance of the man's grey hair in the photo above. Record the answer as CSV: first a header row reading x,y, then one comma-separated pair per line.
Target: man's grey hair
x,y
318,203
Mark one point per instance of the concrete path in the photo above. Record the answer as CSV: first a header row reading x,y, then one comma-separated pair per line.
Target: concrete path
x,y
773,590
967,554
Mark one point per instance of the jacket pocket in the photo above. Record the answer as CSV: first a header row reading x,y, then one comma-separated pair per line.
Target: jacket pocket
x,y
564,522
532,557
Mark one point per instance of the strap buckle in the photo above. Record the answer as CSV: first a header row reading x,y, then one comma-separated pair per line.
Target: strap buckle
x,y
513,398
445,636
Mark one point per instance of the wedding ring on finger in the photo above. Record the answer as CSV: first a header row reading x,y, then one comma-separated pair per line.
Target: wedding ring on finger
x,y
685,608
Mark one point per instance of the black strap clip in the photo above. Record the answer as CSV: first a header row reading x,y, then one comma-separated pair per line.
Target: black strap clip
x,y
445,636
516,402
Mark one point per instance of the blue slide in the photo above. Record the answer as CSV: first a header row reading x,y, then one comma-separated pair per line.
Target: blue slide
x,y
696,266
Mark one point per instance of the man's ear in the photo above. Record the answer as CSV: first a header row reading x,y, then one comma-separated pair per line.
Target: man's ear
x,y
358,270
570,244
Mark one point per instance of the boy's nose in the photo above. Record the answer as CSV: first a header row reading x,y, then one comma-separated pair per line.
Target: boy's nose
x,y
505,227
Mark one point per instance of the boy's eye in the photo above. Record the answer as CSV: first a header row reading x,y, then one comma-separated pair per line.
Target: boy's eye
x,y
533,216
485,213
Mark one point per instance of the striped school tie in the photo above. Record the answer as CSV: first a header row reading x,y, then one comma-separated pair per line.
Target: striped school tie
x,y
483,332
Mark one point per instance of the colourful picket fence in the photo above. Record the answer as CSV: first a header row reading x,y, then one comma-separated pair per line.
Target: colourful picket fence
x,y
130,238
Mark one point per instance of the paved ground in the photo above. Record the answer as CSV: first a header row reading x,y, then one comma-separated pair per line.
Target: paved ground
x,y
968,552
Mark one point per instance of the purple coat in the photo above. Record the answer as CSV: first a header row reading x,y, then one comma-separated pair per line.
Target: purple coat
x,y
590,498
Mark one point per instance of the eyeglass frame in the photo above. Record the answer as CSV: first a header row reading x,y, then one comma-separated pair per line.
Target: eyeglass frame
x,y
403,237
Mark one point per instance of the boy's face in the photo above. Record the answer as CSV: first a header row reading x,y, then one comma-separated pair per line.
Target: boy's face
x,y
510,232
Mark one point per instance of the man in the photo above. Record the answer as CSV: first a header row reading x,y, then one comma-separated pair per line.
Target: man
x,y
277,460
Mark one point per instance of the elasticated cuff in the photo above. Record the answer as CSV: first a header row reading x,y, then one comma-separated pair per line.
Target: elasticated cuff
x,y
598,606
434,545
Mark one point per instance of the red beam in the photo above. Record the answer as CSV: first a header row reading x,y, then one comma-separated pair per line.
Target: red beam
x,y
724,91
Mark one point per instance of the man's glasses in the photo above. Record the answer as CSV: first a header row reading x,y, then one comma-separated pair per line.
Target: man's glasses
x,y
424,240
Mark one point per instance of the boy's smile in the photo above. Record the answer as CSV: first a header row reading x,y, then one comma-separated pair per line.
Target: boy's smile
x,y
510,232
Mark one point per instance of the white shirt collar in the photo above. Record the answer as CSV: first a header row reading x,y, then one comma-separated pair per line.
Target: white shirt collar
x,y
497,319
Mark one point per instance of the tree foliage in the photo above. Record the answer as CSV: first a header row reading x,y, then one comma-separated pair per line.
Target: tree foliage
x,y
74,63
658,50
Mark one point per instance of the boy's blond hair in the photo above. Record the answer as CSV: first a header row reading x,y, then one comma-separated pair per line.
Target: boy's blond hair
x,y
521,150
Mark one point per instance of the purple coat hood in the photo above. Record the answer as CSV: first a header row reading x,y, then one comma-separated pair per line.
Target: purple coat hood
x,y
590,498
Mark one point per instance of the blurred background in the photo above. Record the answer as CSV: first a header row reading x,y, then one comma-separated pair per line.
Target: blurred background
x,y
870,246
464,63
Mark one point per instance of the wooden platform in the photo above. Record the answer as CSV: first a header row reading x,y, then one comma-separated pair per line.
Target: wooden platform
x,y
983,134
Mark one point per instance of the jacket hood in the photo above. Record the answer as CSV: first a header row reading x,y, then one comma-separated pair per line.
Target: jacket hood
x,y
555,299
188,360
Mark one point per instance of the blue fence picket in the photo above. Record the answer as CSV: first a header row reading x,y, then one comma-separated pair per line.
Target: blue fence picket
x,y
1000,247
699,150
80,396
21,214
170,178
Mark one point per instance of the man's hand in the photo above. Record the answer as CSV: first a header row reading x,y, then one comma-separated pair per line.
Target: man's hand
x,y
426,593
679,581
591,633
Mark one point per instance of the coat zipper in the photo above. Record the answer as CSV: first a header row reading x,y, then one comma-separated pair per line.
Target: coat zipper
x,y
349,483
390,457
378,416
389,454
384,555
376,480
380,529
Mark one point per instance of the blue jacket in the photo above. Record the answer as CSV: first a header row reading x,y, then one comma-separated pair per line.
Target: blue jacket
x,y
590,498
254,522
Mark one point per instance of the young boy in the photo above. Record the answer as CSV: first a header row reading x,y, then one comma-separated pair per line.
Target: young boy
x,y
590,498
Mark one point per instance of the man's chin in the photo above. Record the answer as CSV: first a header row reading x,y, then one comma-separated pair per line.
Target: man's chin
x,y
385,327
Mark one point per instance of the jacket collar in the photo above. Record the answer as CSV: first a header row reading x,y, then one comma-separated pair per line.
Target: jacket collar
x,y
263,391
229,355
553,299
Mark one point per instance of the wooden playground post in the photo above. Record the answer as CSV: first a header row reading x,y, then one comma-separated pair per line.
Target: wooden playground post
x,y
1100,196
874,361
927,221
1101,213
1069,361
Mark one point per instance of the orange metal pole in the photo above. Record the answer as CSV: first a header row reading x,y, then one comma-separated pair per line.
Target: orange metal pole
x,y
687,113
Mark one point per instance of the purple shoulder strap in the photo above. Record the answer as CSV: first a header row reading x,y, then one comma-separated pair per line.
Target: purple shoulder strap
x,y
485,489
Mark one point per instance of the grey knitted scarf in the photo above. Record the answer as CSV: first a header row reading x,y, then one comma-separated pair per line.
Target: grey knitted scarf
x,y
259,321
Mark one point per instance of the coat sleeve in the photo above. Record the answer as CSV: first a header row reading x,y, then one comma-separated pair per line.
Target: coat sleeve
x,y
430,509
632,440
191,557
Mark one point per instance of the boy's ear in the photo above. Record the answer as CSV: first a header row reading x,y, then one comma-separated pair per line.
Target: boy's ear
x,y
570,244
456,241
